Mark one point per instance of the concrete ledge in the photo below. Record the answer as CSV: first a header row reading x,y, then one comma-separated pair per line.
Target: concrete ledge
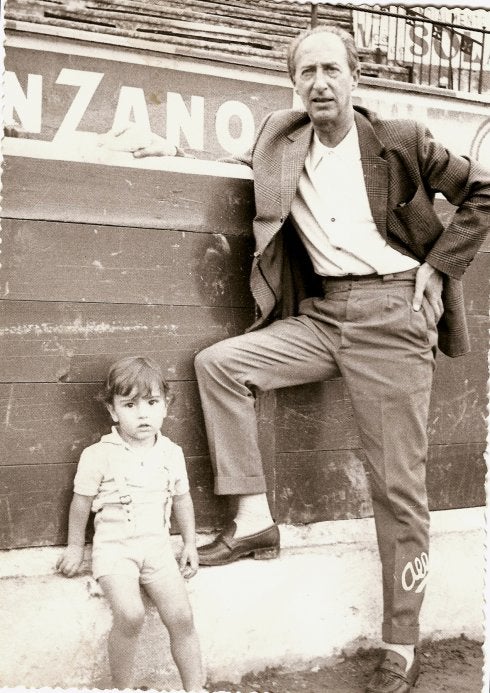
x,y
321,597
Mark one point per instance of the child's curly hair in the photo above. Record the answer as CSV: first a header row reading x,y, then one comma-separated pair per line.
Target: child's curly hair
x,y
138,374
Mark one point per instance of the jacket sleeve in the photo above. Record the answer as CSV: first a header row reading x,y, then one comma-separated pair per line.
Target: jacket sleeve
x,y
465,184
247,157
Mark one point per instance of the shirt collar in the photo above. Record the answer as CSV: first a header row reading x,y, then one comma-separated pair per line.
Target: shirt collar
x,y
114,437
347,148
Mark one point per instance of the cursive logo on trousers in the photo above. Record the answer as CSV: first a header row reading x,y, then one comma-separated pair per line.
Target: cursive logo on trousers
x,y
416,571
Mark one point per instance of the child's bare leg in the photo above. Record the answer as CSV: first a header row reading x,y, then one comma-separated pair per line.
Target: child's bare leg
x,y
128,614
169,595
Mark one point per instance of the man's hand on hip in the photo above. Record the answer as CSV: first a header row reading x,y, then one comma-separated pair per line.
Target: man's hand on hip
x,y
428,283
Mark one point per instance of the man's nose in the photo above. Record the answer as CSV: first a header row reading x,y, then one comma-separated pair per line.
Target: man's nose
x,y
320,82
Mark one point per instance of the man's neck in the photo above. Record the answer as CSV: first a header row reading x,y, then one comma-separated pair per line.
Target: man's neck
x,y
332,136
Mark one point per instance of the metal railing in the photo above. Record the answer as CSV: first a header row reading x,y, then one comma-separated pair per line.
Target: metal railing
x,y
425,45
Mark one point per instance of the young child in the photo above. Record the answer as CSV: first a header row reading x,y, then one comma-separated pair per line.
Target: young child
x,y
130,479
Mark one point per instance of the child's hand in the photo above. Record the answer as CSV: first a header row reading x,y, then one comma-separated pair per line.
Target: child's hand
x,y
189,561
70,561
140,141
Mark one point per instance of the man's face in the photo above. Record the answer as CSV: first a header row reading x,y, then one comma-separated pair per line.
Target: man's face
x,y
324,81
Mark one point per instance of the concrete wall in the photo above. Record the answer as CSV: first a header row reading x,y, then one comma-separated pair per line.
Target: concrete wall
x,y
320,598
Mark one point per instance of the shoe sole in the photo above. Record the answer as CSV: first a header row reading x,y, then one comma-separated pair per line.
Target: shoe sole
x,y
263,554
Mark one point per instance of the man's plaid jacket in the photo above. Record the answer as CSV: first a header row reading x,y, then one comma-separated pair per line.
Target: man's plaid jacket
x,y
403,169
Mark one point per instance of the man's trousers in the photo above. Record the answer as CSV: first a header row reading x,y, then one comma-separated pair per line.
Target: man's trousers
x,y
367,330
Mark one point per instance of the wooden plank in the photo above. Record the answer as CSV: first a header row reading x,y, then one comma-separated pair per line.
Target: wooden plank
x,y
135,197
456,476
316,416
50,261
315,486
459,399
270,20
211,511
52,423
76,342
476,284
311,487
446,210
34,502
63,261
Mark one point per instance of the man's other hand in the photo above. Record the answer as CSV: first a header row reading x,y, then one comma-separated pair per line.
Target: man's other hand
x,y
428,283
141,142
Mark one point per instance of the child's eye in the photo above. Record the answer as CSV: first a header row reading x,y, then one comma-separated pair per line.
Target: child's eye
x,y
129,405
153,401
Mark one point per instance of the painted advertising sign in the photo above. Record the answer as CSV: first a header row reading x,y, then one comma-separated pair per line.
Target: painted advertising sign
x,y
66,93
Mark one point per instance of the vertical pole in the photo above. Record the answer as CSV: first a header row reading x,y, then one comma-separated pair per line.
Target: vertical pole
x,y
314,15
431,52
480,79
397,26
439,69
451,40
421,69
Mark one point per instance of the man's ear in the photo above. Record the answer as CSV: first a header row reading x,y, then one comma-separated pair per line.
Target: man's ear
x,y
355,77
112,412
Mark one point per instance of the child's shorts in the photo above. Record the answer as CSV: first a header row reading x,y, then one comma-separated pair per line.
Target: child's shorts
x,y
142,555
143,558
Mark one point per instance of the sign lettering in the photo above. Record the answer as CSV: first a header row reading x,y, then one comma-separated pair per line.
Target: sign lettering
x,y
218,116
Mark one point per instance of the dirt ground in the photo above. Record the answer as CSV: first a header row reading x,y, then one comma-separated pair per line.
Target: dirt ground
x,y
452,666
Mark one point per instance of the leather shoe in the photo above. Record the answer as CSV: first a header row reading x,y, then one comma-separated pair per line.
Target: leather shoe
x,y
225,549
390,675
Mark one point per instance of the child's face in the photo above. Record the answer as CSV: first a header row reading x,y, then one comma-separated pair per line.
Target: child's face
x,y
139,417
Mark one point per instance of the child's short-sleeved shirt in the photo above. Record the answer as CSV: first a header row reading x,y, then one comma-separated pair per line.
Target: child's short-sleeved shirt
x,y
148,472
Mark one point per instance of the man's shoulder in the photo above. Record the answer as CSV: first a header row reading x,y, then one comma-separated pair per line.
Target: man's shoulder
x,y
391,128
286,120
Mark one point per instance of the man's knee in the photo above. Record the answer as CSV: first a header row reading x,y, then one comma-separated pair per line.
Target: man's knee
x,y
210,358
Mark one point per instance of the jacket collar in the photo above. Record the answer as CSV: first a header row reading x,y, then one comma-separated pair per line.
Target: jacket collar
x,y
364,120
293,161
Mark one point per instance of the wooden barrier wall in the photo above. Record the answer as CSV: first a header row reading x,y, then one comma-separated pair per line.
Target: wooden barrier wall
x,y
100,262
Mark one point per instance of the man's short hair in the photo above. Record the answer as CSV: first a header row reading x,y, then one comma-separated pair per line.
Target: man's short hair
x,y
345,37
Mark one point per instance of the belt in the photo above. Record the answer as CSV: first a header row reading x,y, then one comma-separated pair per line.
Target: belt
x,y
353,277
394,276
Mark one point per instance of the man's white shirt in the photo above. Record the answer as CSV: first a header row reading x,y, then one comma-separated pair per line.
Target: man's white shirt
x,y
331,213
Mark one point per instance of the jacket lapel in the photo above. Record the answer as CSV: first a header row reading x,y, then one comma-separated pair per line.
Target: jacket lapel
x,y
375,170
293,161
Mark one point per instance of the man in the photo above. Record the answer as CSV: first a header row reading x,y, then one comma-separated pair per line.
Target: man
x,y
353,273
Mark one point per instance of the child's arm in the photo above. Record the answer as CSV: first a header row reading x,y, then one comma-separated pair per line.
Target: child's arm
x,y
72,557
184,516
